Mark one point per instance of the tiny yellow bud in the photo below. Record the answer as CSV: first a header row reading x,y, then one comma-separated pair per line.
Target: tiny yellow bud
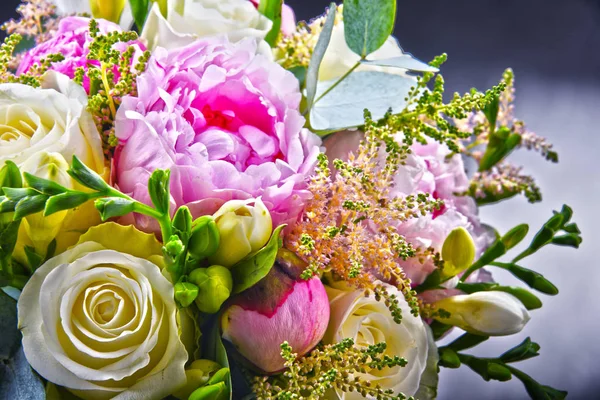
x,y
458,252
108,9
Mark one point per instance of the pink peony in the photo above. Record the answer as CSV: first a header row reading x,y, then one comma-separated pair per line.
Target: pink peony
x,y
225,121
427,170
72,39
281,307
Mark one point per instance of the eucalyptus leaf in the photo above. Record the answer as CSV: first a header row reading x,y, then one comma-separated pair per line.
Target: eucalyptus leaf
x,y
256,266
312,74
405,61
344,105
368,24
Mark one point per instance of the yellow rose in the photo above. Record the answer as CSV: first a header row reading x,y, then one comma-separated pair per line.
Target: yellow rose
x,y
101,320
40,130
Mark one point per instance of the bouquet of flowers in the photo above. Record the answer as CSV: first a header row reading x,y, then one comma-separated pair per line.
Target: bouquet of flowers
x,y
203,199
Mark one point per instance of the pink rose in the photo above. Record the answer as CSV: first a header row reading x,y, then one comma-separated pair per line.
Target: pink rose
x,y
225,121
281,307
72,39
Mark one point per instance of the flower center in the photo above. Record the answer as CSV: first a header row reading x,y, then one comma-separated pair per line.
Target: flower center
x,y
106,305
216,118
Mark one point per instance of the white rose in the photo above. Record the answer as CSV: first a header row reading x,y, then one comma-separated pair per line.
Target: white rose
x,y
102,322
339,58
40,130
368,321
188,20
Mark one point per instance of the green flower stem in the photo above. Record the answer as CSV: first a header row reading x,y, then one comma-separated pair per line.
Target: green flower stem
x,y
338,81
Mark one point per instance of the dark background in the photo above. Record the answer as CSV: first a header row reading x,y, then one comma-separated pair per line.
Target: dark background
x,y
554,48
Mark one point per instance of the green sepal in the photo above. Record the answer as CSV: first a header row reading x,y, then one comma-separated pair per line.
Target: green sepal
x,y
217,391
525,350
44,186
30,205
16,194
185,293
257,265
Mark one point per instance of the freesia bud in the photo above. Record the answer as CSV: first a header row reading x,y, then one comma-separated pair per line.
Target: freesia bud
x,y
280,307
243,229
198,373
204,240
108,9
490,313
185,293
458,252
214,287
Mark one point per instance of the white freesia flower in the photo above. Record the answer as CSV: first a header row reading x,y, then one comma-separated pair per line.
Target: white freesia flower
x,y
243,229
485,313
102,322
188,20
368,321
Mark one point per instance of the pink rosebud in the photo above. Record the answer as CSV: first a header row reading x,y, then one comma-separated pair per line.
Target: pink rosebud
x,y
281,307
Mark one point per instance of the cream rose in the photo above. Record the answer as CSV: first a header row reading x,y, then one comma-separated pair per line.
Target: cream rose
x,y
188,20
101,320
40,130
367,322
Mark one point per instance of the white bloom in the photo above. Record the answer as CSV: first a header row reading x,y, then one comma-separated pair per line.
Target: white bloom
x,y
485,313
188,20
367,322
103,323
243,229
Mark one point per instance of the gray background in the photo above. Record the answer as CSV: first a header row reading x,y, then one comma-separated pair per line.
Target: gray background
x,y
554,48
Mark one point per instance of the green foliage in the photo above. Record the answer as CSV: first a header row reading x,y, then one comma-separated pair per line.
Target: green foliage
x,y
501,143
257,265
368,24
272,10
213,349
529,300
110,207
205,238
214,284
498,368
139,9
158,188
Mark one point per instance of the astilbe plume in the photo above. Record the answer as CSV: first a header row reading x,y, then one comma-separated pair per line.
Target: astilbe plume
x,y
504,179
348,229
326,368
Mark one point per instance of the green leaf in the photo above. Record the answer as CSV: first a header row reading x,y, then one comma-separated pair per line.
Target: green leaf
x,y
515,236
299,72
368,24
535,390
533,279
312,74
139,9
525,350
405,61
529,300
34,259
256,266
19,381
213,349
9,231
10,176
491,112
65,201
30,205
158,188
501,143
44,186
272,10
85,176
344,105
466,341
110,207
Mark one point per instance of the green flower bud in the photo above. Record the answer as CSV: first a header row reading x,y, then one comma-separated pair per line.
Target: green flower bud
x,y
214,284
185,293
205,238
174,246
458,252
218,391
198,374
